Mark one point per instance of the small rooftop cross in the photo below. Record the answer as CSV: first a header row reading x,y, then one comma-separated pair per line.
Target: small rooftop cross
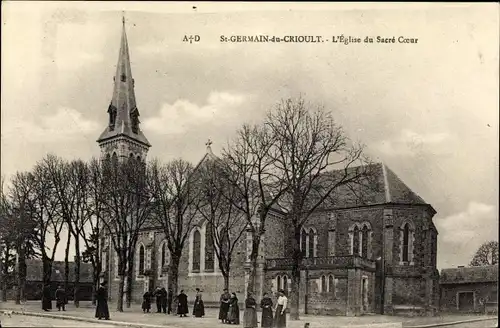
x,y
208,143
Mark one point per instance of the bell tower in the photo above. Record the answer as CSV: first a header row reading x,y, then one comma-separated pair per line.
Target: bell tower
x,y
122,138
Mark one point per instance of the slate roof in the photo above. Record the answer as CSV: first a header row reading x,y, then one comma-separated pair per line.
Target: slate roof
x,y
123,99
34,271
467,275
380,185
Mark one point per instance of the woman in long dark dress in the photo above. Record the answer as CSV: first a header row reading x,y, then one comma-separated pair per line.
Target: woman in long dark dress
x,y
233,316
250,314
281,306
266,304
46,299
198,308
102,310
146,302
182,307
224,306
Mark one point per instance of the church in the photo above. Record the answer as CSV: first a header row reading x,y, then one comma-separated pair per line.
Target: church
x,y
375,256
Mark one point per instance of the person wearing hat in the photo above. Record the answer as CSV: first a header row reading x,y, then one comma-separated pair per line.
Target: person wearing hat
x,y
224,306
199,307
60,299
281,306
102,310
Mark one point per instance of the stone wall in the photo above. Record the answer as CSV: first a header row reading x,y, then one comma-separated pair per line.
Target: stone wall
x,y
482,292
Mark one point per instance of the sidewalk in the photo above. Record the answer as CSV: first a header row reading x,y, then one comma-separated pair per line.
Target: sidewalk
x,y
135,317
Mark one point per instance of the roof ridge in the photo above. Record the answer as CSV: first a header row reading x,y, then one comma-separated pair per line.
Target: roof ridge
x,y
386,184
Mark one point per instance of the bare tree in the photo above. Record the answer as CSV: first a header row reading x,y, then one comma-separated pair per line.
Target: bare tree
x,y
225,222
21,227
487,254
254,187
46,211
175,197
126,207
91,231
313,158
71,185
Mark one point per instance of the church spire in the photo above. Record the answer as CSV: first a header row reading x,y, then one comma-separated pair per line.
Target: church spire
x,y
123,112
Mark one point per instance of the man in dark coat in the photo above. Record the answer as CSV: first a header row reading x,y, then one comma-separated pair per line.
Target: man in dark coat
x,y
60,299
159,299
102,310
46,298
170,296
182,308
146,301
163,299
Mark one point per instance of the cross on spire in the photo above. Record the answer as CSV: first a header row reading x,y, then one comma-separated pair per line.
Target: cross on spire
x,y
208,144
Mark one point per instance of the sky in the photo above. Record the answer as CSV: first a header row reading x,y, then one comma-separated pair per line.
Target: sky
x,y
429,110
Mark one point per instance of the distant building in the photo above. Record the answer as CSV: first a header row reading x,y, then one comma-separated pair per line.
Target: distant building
x,y
376,255
469,289
34,280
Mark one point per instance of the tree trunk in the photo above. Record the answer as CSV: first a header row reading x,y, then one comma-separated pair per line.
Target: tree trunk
x,y
76,285
254,255
97,269
297,259
95,286
119,301
130,276
226,280
174,279
66,262
47,271
94,289
22,269
5,271
20,274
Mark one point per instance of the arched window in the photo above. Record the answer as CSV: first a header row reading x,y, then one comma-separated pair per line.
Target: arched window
x,y
312,239
303,242
141,260
355,241
406,243
364,241
209,248
324,287
115,159
196,250
278,282
285,283
331,284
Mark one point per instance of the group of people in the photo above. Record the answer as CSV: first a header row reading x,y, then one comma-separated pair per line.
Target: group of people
x,y
61,299
229,312
163,300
